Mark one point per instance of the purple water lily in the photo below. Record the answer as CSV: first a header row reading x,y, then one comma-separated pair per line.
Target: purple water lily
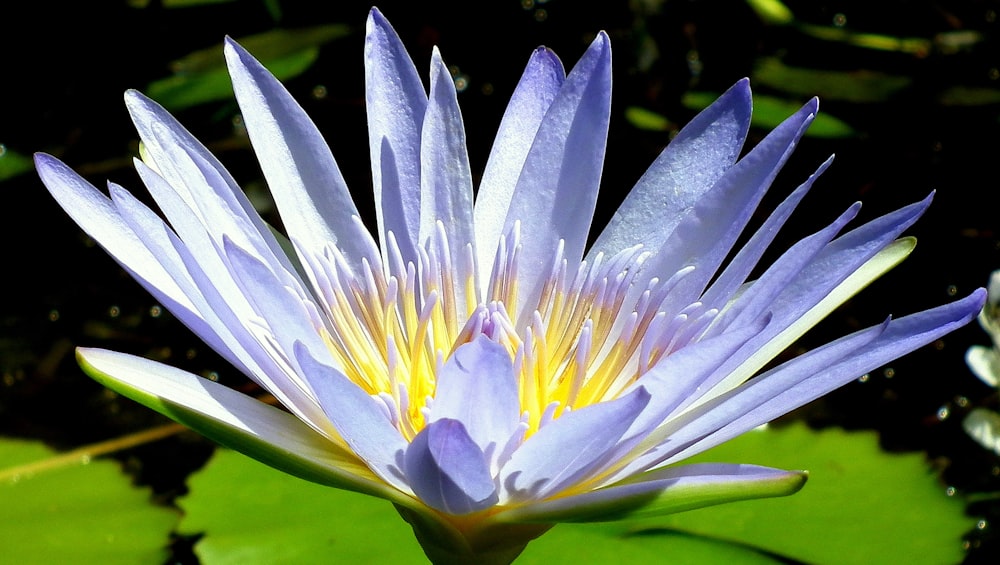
x,y
478,365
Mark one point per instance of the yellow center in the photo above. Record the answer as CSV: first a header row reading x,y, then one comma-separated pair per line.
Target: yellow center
x,y
574,346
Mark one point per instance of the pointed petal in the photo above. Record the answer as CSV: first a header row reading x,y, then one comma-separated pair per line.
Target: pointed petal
x,y
689,166
667,491
843,256
446,191
358,419
396,103
211,198
543,76
477,387
566,450
305,181
678,433
556,192
737,271
204,249
814,374
671,384
164,244
448,471
707,233
97,216
779,276
103,220
235,420
844,267
166,268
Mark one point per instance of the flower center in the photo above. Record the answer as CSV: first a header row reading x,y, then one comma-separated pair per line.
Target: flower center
x,y
583,340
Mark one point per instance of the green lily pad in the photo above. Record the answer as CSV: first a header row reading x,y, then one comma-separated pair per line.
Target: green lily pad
x,y
860,505
250,513
632,543
77,511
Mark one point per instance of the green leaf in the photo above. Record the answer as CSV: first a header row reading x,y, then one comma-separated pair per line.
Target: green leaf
x,y
913,45
80,512
13,164
646,119
772,12
201,76
185,90
858,86
768,112
969,96
861,504
250,513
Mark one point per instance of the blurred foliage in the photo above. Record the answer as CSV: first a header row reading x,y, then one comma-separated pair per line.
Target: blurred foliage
x,y
13,164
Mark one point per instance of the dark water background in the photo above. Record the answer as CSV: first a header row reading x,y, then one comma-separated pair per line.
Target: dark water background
x,y
66,64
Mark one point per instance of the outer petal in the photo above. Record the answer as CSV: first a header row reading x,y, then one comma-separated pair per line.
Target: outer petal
x,y
150,261
396,103
810,376
680,375
689,166
282,321
681,431
308,188
222,301
669,383
235,420
448,471
212,201
477,387
538,87
164,244
555,195
666,491
843,268
843,256
96,215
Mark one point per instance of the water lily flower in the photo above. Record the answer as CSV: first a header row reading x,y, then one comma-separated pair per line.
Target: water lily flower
x,y
475,363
